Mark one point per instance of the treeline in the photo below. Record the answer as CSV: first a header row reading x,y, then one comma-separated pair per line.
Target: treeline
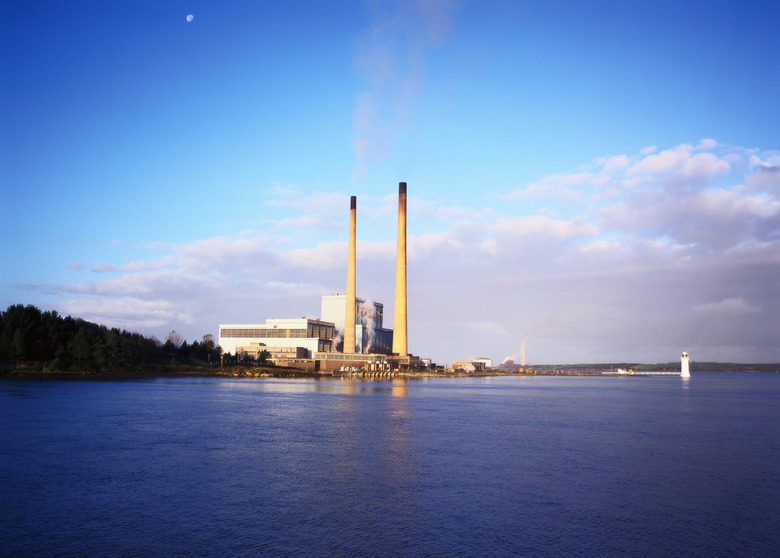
x,y
55,343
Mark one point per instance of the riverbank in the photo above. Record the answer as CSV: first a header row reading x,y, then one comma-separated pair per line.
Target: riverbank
x,y
248,372
154,371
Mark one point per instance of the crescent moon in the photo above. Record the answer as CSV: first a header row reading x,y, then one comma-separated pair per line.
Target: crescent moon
x,y
190,17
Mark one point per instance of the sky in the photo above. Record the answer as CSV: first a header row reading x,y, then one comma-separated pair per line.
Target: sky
x,y
599,178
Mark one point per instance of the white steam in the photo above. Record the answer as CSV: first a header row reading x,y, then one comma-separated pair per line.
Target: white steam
x,y
367,317
338,337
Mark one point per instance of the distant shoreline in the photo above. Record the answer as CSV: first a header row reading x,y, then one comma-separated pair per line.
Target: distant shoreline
x,y
277,373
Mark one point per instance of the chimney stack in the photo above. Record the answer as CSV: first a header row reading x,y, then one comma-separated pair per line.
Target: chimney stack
x,y
399,319
349,319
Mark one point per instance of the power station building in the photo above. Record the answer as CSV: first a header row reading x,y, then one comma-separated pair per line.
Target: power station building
x,y
313,336
370,336
350,334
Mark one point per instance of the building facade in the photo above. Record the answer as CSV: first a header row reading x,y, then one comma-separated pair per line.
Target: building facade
x,y
370,336
312,335
487,363
277,354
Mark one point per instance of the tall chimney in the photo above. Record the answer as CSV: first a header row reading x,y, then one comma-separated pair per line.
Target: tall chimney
x,y
349,318
399,319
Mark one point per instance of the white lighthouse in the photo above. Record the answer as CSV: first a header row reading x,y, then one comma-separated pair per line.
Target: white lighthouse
x,y
684,371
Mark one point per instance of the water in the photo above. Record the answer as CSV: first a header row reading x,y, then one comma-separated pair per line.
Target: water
x,y
472,466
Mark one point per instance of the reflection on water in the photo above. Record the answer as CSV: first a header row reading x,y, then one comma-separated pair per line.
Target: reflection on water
x,y
399,387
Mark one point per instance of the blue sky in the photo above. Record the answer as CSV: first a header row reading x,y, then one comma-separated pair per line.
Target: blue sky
x,y
599,178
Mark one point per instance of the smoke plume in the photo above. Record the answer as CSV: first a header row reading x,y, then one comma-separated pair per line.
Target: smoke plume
x,y
338,338
367,317
391,62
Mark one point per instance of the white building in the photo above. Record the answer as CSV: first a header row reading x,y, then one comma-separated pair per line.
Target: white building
x,y
312,335
315,336
486,362
276,354
370,336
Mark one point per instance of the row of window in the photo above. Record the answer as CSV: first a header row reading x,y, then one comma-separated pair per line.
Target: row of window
x,y
234,333
320,331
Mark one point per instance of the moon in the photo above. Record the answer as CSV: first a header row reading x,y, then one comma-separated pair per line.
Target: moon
x,y
190,17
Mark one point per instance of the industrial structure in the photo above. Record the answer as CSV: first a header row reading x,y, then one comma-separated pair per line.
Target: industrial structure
x,y
349,336
399,318
522,353
350,308
367,322
401,358
473,364
311,335
487,363
468,366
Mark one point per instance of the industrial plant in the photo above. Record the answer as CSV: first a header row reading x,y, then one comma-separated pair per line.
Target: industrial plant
x,y
349,336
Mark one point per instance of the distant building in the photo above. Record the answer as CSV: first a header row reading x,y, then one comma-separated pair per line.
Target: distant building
x,y
486,362
311,335
471,366
278,354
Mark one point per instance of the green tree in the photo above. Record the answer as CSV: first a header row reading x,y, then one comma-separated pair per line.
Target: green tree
x,y
175,339
19,346
263,356
81,346
101,354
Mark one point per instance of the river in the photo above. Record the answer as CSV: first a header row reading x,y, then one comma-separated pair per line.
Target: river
x,y
492,466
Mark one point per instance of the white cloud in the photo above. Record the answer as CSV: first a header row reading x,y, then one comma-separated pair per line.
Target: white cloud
x,y
104,268
679,163
328,255
567,187
539,225
618,162
126,313
733,305
311,221
707,144
664,162
157,263
764,175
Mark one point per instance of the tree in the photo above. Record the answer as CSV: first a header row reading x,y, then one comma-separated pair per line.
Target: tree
x,y
81,346
263,356
19,346
28,335
175,339
102,354
184,350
